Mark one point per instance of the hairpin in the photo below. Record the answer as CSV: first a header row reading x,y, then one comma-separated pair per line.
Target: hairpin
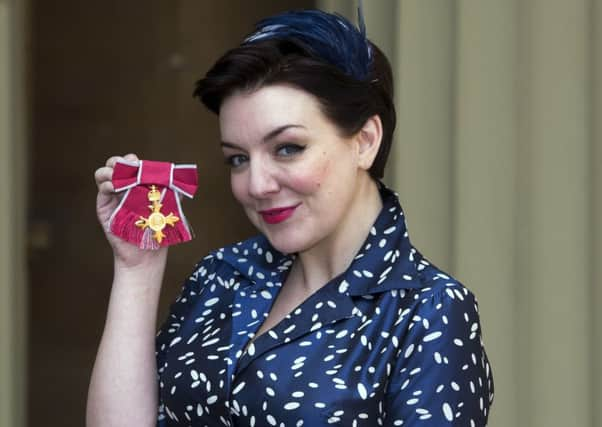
x,y
329,36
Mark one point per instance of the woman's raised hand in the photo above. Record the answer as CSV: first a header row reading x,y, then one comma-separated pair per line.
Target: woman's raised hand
x,y
126,254
126,356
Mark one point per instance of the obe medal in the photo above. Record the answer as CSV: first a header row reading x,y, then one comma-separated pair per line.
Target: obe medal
x,y
156,221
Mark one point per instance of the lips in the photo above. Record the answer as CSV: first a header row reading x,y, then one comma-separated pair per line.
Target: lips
x,y
276,215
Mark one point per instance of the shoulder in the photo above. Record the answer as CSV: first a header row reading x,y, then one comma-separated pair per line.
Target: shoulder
x,y
441,356
439,284
445,301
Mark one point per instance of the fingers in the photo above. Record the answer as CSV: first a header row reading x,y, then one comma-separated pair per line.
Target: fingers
x,y
106,187
131,157
104,175
112,160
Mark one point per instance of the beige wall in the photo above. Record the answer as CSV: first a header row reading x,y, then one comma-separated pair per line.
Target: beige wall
x,y
596,209
499,166
12,213
498,162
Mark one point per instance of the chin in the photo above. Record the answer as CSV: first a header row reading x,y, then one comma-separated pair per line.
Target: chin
x,y
286,246
286,238
289,243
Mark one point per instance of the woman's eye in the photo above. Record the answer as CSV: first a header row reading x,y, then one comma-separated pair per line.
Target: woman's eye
x,y
235,160
289,149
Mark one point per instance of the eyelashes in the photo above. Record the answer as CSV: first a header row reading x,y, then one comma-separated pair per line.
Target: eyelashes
x,y
235,160
284,151
289,149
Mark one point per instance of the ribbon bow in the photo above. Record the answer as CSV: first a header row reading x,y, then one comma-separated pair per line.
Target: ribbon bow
x,y
150,214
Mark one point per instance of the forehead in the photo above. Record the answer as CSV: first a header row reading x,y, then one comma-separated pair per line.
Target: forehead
x,y
250,114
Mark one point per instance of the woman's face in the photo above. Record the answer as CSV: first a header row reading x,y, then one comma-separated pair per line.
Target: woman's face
x,y
292,172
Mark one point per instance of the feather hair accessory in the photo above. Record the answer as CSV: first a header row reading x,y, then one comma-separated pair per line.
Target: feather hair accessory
x,y
329,36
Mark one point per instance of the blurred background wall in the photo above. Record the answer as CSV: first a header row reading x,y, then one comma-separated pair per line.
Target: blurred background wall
x,y
13,196
82,81
499,166
498,163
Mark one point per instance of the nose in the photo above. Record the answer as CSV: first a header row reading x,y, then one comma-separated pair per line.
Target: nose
x,y
262,179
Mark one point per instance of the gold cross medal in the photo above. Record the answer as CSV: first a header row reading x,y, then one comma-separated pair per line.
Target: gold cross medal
x,y
156,221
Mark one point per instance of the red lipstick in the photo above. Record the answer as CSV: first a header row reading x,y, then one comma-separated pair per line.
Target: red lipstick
x,y
276,215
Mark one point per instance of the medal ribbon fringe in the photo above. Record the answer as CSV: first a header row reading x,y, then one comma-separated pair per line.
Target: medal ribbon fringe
x,y
136,179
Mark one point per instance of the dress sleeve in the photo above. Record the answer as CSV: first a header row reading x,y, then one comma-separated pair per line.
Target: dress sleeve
x,y
178,312
442,376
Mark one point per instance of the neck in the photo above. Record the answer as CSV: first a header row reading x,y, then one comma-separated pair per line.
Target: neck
x,y
318,265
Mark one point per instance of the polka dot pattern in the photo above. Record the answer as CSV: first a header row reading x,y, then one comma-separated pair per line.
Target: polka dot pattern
x,y
393,341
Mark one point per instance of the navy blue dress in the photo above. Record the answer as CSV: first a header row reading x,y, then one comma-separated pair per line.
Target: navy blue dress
x,y
392,341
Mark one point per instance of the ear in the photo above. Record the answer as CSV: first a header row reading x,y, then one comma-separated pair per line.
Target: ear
x,y
369,139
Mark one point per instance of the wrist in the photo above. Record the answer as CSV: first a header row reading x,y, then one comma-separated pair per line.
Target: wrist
x,y
146,267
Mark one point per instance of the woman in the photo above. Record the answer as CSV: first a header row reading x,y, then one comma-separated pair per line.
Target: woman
x,y
330,315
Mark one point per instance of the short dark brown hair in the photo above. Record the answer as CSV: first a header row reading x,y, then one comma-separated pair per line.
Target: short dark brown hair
x,y
346,101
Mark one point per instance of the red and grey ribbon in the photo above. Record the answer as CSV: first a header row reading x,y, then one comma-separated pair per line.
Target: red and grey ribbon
x,y
138,179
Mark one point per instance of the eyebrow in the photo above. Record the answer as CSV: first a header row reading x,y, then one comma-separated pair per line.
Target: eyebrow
x,y
267,137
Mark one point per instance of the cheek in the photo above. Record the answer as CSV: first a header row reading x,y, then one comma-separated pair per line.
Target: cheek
x,y
313,177
237,184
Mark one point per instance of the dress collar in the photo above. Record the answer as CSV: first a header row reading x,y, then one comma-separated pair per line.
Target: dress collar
x,y
387,260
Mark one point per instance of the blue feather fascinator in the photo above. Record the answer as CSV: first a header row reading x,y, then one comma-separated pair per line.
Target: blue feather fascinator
x,y
330,37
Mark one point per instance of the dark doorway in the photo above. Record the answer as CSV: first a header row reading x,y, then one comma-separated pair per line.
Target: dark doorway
x,y
108,78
